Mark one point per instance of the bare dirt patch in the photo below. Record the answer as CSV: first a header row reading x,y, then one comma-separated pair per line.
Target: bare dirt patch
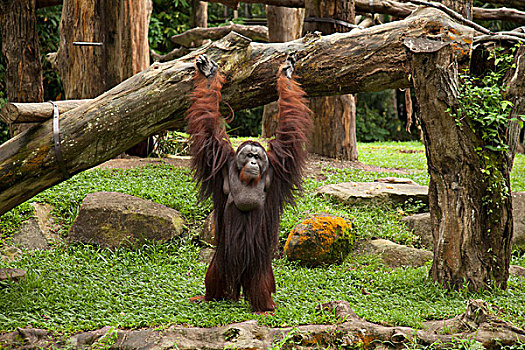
x,y
316,165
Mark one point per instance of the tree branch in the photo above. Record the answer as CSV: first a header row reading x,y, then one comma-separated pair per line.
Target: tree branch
x,y
173,54
403,9
517,4
453,14
186,39
35,112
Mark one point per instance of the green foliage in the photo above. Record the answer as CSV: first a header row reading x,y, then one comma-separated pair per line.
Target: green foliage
x,y
48,20
247,122
169,17
377,119
483,107
174,143
482,102
83,288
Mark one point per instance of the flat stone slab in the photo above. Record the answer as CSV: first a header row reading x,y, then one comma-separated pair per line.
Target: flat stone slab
x,y
375,192
420,223
112,219
395,255
38,233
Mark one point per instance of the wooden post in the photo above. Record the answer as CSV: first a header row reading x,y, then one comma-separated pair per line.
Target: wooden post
x,y
284,24
334,132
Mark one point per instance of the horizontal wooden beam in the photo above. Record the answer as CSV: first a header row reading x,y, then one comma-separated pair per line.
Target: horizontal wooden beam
x,y
35,112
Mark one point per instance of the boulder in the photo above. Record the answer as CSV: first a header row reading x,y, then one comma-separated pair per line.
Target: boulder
x,y
39,232
207,232
111,219
393,254
206,255
518,215
320,239
517,271
420,223
10,253
375,192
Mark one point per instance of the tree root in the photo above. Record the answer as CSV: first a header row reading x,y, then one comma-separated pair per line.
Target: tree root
x,y
475,325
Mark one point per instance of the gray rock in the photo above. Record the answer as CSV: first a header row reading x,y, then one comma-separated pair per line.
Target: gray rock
x,y
207,232
518,215
10,253
517,271
12,274
206,254
39,231
111,219
395,255
30,236
375,192
420,223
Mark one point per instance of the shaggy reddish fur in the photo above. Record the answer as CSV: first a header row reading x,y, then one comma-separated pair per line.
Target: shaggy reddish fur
x,y
246,240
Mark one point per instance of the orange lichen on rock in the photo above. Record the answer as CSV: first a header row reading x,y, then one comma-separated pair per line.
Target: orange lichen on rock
x,y
320,239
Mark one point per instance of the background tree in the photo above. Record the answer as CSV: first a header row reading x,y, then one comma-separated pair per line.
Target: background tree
x,y
284,24
334,131
21,51
119,31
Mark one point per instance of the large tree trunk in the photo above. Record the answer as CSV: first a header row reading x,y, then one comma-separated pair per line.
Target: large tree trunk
x,y
284,24
128,48
83,69
21,50
471,211
334,131
120,26
199,17
463,7
157,98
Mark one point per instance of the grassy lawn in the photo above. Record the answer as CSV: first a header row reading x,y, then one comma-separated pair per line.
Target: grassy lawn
x,y
81,287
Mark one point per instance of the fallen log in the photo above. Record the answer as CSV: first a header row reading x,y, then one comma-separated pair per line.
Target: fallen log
x,y
186,39
476,325
156,99
35,112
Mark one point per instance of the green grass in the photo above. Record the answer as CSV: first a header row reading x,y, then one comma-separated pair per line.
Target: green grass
x,y
80,288
75,288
